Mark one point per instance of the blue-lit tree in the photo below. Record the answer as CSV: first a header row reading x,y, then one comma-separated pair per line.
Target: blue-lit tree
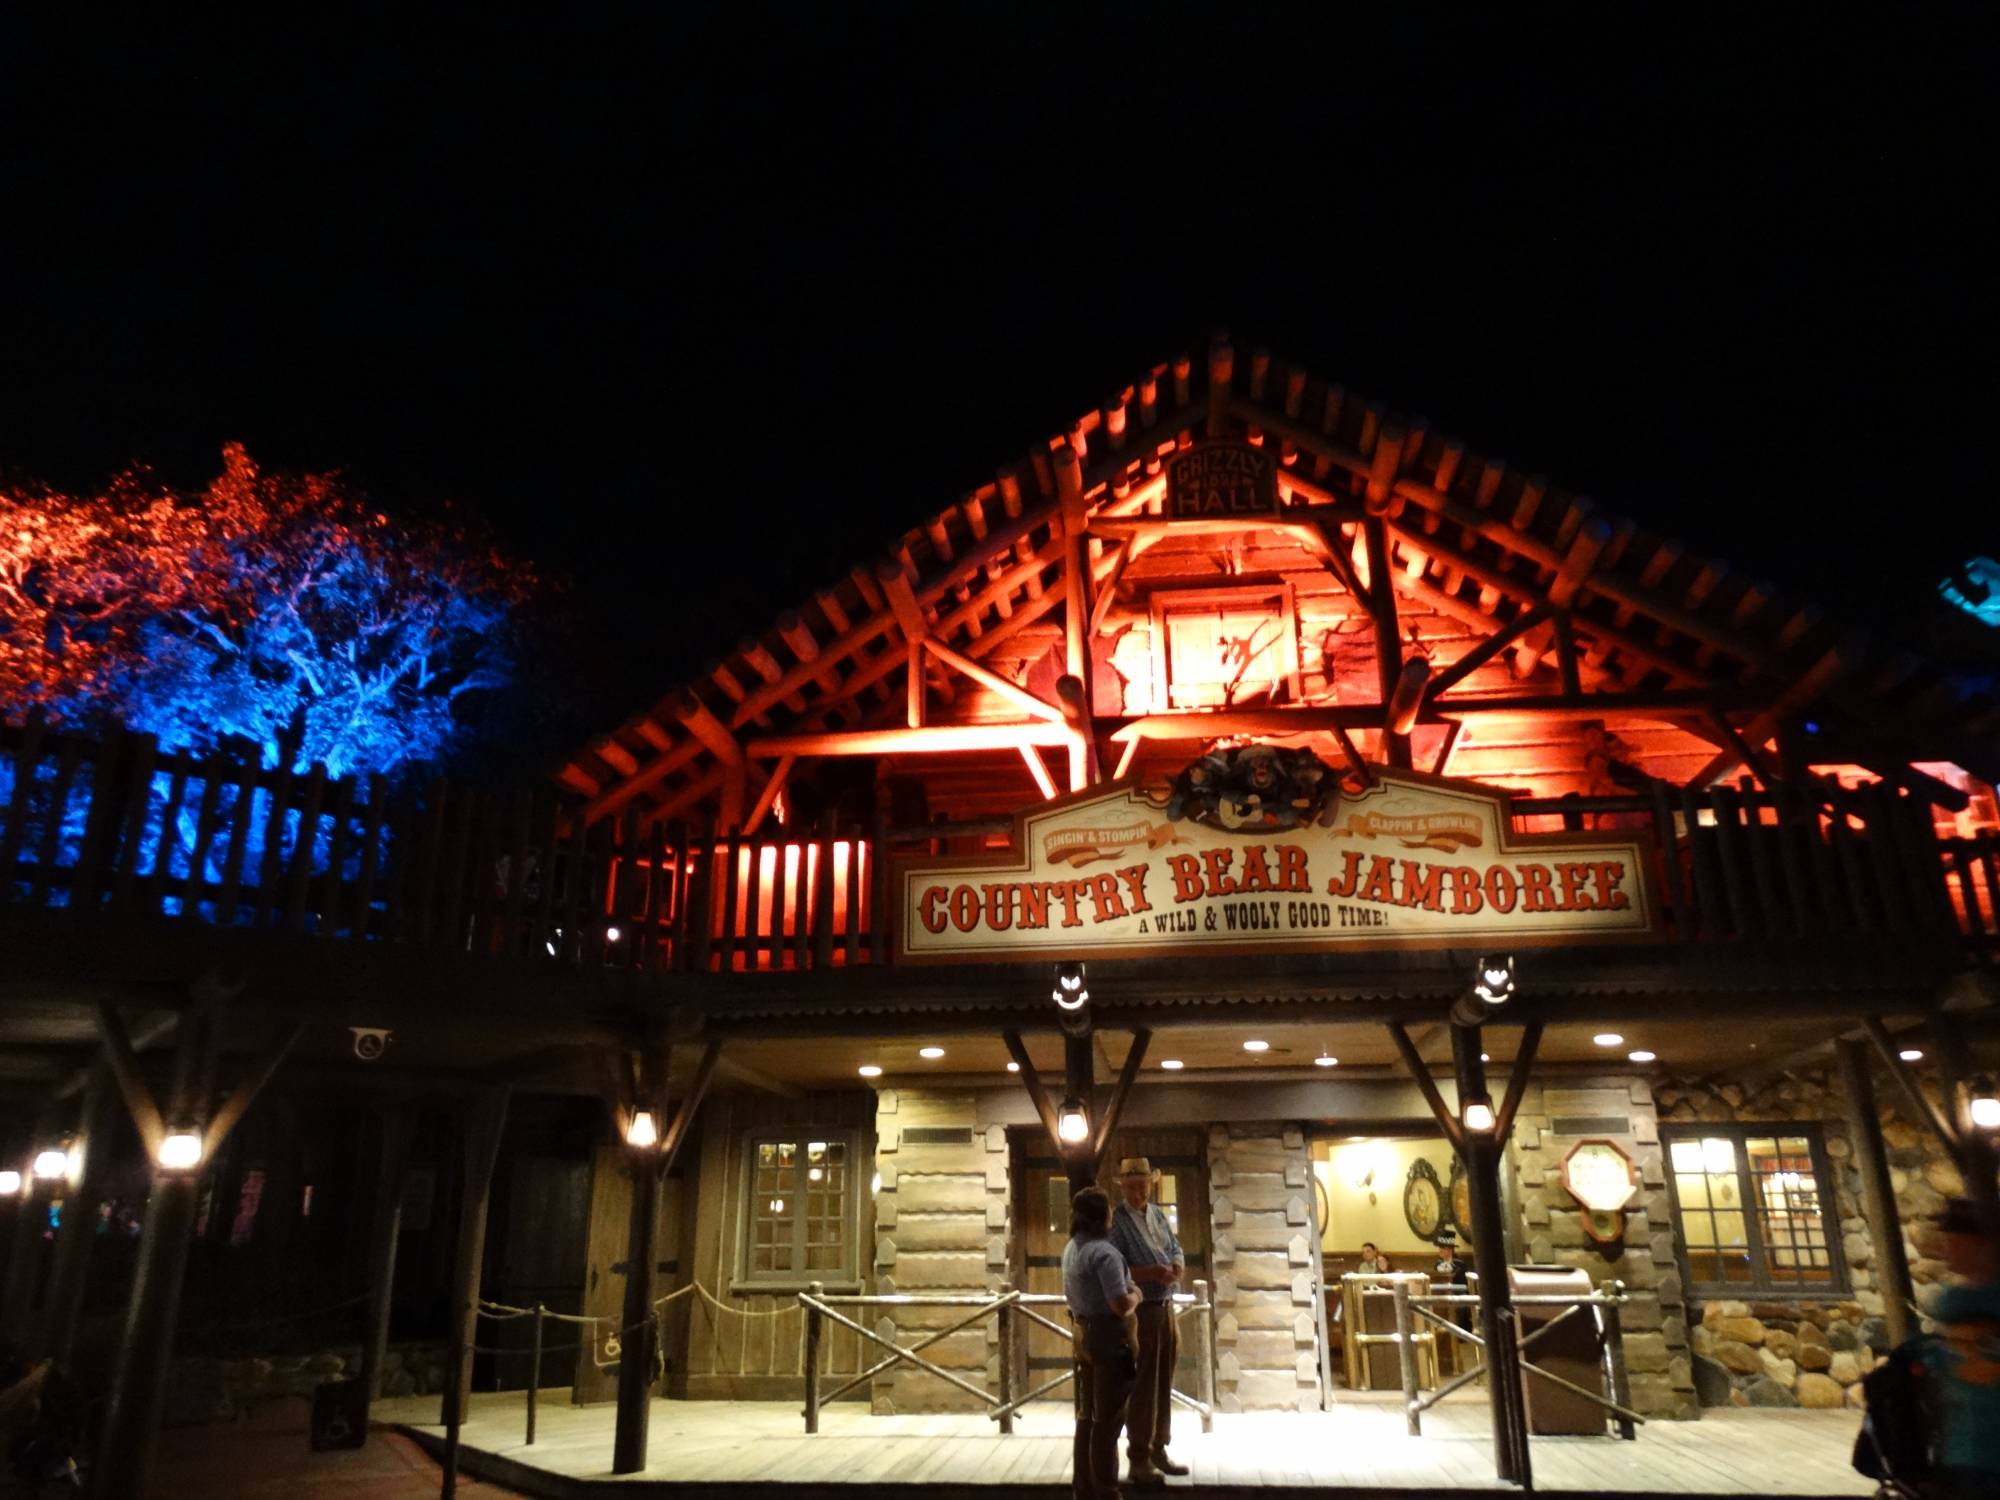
x,y
279,608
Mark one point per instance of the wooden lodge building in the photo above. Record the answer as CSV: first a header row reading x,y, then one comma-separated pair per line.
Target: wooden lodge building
x,y
1377,837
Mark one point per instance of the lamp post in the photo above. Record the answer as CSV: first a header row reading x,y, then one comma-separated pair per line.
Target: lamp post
x,y
1492,988
139,1386
1073,1123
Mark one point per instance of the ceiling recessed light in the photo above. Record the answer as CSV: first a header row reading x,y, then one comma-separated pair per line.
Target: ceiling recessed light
x,y
1911,1054
930,1053
1013,1067
1641,1056
1323,1061
869,1070
1254,1045
1172,1064
1608,1039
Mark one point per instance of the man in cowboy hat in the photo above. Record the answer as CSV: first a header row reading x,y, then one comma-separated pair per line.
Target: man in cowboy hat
x,y
1144,1237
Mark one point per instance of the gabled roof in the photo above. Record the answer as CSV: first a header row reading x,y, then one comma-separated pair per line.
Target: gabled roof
x,y
1476,540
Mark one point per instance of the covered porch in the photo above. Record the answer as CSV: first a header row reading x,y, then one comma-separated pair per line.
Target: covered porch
x,y
1360,1446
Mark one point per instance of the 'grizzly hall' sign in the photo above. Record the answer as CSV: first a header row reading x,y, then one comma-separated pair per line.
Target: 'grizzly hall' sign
x,y
1265,849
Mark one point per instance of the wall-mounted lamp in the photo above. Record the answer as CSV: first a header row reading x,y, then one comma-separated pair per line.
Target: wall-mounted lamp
x,y
1073,1122
1072,998
1983,1106
1492,986
10,1184
180,1151
644,1131
1495,984
52,1163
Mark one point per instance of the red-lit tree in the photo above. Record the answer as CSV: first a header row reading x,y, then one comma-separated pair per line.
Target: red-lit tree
x,y
278,607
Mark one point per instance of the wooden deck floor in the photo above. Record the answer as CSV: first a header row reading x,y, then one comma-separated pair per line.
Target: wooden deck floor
x,y
738,1449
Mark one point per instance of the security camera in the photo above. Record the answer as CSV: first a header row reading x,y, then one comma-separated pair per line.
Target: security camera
x,y
369,1041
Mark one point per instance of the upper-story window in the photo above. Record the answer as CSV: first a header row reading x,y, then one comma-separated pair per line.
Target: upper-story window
x,y
1224,648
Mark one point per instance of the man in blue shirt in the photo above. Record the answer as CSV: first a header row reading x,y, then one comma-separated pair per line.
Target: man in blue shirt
x,y
1101,1297
1144,1237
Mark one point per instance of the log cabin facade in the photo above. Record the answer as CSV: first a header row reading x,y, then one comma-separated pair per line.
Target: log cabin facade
x,y
1284,716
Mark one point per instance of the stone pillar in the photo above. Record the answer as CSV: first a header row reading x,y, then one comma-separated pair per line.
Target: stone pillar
x,y
1261,1207
1554,1116
941,1226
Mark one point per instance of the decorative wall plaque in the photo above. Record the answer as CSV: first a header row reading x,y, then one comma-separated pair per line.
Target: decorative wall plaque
x,y
1602,1178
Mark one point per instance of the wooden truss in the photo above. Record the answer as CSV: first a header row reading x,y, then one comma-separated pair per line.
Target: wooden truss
x,y
1594,614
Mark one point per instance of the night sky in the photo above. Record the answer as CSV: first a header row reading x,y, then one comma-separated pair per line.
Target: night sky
x,y
700,311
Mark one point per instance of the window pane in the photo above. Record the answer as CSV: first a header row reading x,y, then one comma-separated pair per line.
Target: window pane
x,y
1692,1188
1058,1205
1686,1155
798,1208
1698,1229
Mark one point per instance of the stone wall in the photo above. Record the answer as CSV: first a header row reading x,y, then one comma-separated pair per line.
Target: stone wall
x,y
1266,1283
941,1226
222,1390
1806,1352
1554,1116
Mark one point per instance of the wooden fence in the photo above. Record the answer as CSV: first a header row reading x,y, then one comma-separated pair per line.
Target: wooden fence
x,y
115,826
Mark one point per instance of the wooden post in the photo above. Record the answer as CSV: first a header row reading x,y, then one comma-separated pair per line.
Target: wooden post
x,y
1976,1162
24,1255
129,1437
1878,1194
1406,1355
1079,1065
398,1125
79,1219
1388,642
1482,1171
637,1330
145,1355
534,1373
1205,1356
485,1120
1005,1330
1614,1357
815,1321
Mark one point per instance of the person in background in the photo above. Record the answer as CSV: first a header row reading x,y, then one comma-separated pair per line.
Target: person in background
x,y
1144,1237
1373,1261
1967,1355
1101,1300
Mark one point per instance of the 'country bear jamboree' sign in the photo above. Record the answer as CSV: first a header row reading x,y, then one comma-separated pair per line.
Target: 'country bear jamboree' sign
x,y
1265,849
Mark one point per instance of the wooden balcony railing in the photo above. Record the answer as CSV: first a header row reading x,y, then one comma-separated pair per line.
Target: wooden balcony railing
x,y
116,827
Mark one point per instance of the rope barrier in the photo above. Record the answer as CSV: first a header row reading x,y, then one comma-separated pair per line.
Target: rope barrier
x,y
739,1312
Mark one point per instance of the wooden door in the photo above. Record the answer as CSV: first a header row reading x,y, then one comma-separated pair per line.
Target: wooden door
x,y
1041,1209
1041,1212
1181,1159
604,1269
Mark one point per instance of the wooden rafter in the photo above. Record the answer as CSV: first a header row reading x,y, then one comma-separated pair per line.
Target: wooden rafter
x,y
995,563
